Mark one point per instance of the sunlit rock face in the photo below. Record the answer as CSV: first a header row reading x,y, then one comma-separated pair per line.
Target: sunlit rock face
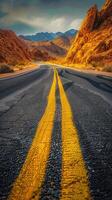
x,y
93,43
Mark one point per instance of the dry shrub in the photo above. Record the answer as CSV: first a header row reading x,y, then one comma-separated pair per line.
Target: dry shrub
x,y
5,68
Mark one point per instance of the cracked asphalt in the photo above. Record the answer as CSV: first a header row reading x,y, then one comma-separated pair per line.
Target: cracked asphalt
x,y
18,125
23,101
90,97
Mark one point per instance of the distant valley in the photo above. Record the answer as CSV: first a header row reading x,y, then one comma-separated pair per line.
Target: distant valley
x,y
17,50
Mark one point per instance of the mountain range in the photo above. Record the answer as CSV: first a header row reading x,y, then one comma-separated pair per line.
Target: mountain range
x,y
45,36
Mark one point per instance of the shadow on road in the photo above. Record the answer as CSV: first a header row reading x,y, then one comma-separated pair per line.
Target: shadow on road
x,y
100,85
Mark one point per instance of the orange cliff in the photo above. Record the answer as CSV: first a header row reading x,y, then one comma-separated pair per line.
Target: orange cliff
x,y
93,43
13,50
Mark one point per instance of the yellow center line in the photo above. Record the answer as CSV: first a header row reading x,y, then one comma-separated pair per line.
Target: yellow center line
x,y
29,181
74,184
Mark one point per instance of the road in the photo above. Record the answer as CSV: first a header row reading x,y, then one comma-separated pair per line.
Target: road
x,y
56,135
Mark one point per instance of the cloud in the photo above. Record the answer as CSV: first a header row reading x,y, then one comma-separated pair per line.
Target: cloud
x,y
43,15
17,21
21,28
76,23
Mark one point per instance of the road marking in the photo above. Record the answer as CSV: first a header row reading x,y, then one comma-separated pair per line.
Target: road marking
x,y
74,183
28,183
52,182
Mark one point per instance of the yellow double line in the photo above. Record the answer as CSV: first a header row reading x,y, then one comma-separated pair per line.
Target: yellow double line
x,y
28,184
74,184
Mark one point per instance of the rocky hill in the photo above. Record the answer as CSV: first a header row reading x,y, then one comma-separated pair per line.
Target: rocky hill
x,y
56,48
93,43
13,50
41,55
64,41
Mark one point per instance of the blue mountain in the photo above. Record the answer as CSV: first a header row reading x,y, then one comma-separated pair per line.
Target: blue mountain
x,y
45,36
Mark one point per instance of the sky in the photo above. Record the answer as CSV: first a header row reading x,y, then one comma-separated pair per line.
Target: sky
x,y
32,16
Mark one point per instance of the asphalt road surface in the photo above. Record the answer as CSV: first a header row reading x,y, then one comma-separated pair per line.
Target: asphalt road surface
x,y
56,135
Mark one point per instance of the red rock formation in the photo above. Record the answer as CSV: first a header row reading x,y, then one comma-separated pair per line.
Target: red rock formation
x,y
13,50
93,43
106,10
90,20
39,55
